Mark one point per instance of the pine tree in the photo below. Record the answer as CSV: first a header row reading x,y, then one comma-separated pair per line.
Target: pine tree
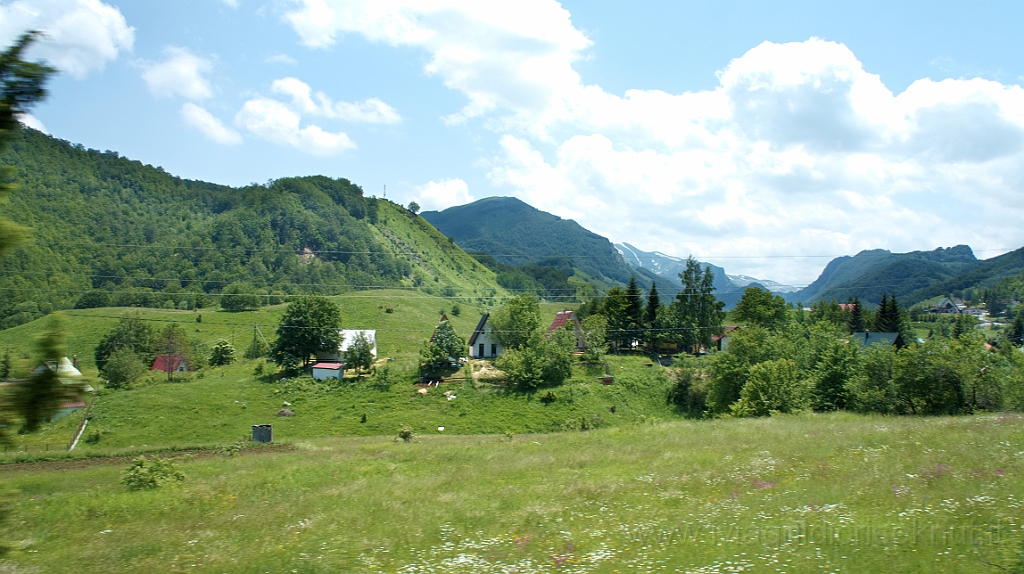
x,y
883,318
696,313
855,321
634,313
652,318
615,309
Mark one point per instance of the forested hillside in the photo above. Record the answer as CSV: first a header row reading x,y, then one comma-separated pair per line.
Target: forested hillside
x,y
106,230
536,251
870,273
515,233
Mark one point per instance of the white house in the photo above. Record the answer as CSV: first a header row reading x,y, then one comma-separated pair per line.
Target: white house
x,y
347,336
484,343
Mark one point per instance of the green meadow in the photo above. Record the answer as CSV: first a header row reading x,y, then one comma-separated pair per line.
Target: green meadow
x,y
583,477
810,493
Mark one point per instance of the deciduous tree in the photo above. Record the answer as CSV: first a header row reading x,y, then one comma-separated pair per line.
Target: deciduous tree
x,y
359,354
516,321
309,326
762,308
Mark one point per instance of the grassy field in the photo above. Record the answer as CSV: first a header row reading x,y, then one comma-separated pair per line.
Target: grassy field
x,y
814,493
400,333
221,406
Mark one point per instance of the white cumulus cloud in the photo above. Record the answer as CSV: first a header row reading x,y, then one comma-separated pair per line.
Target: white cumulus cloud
x,y
442,194
798,151
181,73
276,122
197,117
371,110
80,35
513,56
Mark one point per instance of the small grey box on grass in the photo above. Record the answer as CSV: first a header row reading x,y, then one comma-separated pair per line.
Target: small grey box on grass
x,y
262,433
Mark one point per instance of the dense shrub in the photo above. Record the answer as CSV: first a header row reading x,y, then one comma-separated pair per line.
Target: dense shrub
x,y
123,367
773,386
149,473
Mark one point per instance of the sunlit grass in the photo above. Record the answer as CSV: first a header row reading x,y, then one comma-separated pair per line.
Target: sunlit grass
x,y
792,494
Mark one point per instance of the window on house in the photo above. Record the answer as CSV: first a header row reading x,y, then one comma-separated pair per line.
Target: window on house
x,y
494,350
481,353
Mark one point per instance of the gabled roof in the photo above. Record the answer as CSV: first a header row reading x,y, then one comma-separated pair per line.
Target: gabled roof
x,y
444,317
562,318
479,329
868,338
331,366
565,318
167,363
726,331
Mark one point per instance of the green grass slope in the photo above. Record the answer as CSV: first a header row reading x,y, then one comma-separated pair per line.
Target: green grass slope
x,y
219,406
822,493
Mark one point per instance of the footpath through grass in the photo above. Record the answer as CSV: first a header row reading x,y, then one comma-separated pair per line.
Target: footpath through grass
x,y
835,493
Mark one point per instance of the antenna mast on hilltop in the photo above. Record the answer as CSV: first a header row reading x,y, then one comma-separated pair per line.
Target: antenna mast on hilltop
x,y
385,191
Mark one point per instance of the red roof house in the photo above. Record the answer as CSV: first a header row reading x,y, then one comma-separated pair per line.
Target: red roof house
x,y
170,364
563,318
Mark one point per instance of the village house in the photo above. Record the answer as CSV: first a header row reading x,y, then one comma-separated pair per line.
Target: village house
x,y
563,318
721,342
868,338
169,364
347,336
484,343
954,306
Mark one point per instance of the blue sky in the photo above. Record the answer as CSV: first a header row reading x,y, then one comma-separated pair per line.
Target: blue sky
x,y
763,137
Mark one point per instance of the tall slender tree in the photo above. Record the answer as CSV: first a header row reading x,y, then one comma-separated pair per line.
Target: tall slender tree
x,y
615,310
634,313
697,314
855,320
652,318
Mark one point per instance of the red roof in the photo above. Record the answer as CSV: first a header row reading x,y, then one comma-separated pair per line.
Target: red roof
x,y
561,319
725,332
331,366
167,363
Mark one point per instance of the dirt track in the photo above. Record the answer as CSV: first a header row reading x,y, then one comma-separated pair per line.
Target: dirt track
x,y
76,463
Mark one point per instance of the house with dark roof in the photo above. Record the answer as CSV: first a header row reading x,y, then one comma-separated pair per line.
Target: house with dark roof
x,y
868,338
721,341
484,343
565,318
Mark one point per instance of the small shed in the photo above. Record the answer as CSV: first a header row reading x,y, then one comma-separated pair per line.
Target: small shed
x,y
324,370
170,364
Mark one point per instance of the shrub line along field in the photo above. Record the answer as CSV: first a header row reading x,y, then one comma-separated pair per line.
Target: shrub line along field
x,y
832,493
